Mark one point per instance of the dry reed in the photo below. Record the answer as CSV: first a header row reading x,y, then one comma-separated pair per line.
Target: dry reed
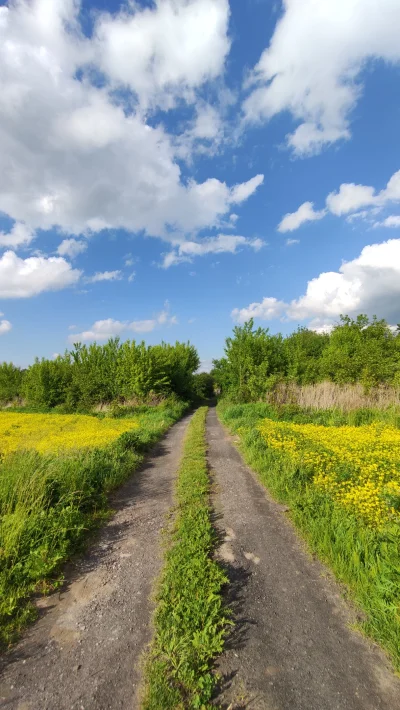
x,y
328,395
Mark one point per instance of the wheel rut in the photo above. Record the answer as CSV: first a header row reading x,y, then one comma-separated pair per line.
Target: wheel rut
x,y
84,652
292,645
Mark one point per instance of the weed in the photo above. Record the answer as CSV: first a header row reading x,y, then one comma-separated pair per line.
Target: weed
x,y
190,620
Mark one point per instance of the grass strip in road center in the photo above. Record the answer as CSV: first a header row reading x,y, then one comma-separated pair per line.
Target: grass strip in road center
x,y
190,619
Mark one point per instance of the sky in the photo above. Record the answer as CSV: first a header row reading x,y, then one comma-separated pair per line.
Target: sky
x,y
172,168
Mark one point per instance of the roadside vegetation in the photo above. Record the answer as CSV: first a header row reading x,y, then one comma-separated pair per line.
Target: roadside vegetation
x,y
102,375
71,430
362,353
190,619
55,476
322,430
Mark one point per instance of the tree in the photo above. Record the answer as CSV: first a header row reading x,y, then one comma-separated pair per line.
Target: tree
x,y
303,350
10,382
360,350
253,360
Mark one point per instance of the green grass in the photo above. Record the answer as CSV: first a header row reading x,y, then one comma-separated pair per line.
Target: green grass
x,y
48,504
190,619
251,413
366,560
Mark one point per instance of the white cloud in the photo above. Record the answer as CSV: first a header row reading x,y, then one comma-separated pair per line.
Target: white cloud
x,y
368,284
392,221
129,260
223,243
56,169
5,327
22,278
268,309
207,125
104,276
110,328
313,64
291,242
205,366
242,192
347,201
19,235
320,326
132,276
305,213
350,198
165,52
71,247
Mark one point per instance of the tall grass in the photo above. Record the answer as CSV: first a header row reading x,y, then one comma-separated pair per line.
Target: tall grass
x,y
252,413
366,559
190,621
328,395
48,503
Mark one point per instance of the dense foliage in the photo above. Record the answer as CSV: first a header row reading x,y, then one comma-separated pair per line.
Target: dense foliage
x,y
98,374
360,350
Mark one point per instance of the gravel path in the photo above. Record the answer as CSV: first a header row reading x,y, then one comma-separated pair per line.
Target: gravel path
x,y
84,652
292,646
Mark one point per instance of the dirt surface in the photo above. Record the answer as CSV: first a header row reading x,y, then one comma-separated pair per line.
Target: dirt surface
x,y
84,653
292,646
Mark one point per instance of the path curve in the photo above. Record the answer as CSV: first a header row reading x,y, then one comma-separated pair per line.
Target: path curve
x,y
84,652
292,646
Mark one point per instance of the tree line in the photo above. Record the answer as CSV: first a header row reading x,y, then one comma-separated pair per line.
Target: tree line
x,y
90,375
357,350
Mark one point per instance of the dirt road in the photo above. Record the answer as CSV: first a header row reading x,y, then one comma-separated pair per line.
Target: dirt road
x,y
292,647
84,652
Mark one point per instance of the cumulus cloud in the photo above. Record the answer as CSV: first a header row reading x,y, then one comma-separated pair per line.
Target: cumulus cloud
x,y
368,284
350,198
110,328
18,236
73,155
347,201
268,309
294,220
71,247
22,278
164,52
228,243
104,276
313,64
391,221
5,327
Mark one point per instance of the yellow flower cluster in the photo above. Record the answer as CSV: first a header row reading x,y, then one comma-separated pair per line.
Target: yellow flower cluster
x,y
55,432
359,467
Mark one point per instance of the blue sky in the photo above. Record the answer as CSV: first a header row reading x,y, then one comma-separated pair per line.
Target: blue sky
x,y
172,168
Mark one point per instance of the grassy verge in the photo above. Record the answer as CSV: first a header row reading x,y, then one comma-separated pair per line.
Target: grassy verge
x,y
48,503
365,559
190,620
251,413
